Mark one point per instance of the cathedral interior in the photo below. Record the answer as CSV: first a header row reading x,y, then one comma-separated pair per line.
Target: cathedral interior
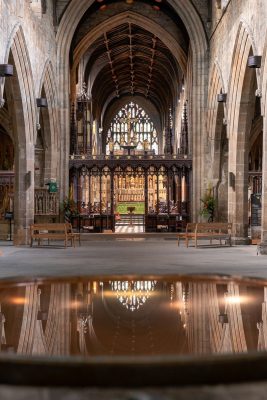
x,y
128,120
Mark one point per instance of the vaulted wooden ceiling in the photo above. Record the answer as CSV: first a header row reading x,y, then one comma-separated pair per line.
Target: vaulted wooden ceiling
x,y
132,61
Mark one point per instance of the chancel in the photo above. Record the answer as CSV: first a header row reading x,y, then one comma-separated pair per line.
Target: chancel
x,y
124,126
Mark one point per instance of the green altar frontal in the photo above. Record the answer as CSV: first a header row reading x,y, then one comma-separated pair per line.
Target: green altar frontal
x,y
122,207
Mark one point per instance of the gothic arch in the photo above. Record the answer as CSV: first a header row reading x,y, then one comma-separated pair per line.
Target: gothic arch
x,y
142,102
197,35
132,18
18,50
264,166
21,100
215,114
217,143
239,113
50,116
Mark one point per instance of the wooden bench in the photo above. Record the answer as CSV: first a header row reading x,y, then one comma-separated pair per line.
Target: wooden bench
x,y
188,234
50,231
213,230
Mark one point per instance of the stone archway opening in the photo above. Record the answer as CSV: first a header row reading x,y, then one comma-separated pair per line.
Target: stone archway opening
x,y
239,161
255,156
6,183
197,71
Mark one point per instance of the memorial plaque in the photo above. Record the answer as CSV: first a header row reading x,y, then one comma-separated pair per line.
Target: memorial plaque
x,y
256,209
9,215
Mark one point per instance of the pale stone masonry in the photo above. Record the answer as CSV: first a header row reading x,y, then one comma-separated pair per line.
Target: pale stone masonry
x,y
37,37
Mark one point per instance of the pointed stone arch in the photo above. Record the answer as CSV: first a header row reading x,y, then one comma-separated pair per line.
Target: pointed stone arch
x,y
21,100
217,143
187,12
131,18
215,114
48,88
239,118
142,102
264,164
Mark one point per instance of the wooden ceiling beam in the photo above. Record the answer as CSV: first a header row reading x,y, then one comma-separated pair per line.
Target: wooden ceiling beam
x,y
110,61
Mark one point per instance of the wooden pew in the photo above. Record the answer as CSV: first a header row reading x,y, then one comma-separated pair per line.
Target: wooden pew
x,y
50,231
213,230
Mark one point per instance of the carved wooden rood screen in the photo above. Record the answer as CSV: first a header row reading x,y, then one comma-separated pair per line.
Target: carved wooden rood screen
x,y
130,176
101,185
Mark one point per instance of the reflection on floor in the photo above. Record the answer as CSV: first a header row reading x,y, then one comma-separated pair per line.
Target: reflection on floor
x,y
130,224
129,229
141,317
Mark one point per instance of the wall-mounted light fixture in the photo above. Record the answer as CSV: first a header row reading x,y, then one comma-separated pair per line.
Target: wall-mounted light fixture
x,y
6,71
41,102
223,318
222,97
254,61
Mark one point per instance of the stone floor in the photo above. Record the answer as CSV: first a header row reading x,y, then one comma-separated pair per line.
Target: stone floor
x,y
154,255
256,391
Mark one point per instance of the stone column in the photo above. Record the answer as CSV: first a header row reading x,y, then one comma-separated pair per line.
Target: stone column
x,y
23,194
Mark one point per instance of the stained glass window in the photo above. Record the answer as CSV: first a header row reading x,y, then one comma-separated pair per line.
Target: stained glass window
x,y
132,125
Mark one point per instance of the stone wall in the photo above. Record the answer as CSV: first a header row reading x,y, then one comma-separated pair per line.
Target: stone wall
x,y
39,34
28,42
238,30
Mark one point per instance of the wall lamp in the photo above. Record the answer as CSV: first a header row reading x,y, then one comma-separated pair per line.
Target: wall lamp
x,y
6,71
221,97
223,319
41,102
254,61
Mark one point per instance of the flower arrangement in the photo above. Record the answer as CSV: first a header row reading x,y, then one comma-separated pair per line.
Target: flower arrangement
x,y
69,207
208,208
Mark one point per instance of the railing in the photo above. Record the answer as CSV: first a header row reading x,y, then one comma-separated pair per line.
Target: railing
x,y
130,157
45,203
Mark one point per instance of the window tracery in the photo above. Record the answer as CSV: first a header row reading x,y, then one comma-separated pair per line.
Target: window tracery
x,y
132,125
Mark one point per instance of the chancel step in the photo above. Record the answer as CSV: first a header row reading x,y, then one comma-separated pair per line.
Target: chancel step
x,y
128,220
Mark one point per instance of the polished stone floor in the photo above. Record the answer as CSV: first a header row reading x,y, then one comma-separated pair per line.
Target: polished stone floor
x,y
154,255
257,391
